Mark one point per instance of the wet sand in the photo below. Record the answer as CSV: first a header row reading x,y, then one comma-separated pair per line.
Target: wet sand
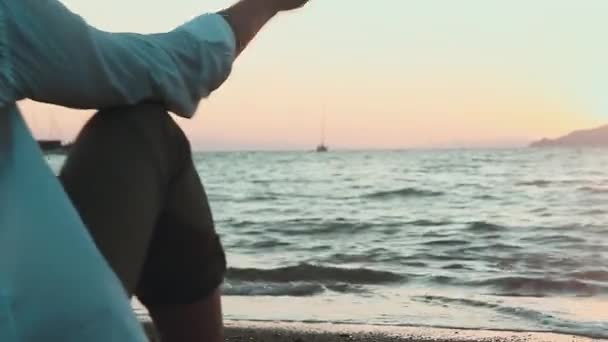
x,y
297,332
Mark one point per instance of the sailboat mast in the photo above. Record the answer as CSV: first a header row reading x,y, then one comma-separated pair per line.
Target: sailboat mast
x,y
323,120
322,147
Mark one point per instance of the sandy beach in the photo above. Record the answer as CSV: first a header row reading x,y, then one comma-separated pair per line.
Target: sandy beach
x,y
297,332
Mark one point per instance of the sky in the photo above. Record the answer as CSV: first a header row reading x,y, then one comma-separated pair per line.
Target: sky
x,y
387,73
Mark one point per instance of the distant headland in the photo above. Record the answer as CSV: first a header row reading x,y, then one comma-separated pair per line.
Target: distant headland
x,y
595,137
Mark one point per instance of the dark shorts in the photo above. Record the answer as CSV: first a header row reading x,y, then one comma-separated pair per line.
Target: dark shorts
x,y
131,176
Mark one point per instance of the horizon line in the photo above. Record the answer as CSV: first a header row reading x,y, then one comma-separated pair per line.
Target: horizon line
x,y
380,149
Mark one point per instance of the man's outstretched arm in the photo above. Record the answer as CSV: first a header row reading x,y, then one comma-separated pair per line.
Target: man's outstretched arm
x,y
58,58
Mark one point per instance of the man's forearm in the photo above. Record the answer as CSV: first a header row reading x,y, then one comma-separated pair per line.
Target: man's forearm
x,y
247,17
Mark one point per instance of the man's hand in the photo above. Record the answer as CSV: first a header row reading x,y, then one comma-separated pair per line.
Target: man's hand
x,y
247,17
288,5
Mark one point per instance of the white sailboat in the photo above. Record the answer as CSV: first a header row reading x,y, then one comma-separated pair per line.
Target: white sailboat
x,y
322,147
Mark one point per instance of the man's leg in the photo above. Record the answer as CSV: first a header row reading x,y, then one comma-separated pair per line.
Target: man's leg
x,y
131,177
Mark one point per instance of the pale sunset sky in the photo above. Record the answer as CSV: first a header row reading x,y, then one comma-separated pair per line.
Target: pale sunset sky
x,y
388,73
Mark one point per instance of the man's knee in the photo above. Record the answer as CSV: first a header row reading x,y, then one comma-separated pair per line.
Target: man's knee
x,y
150,122
148,117
141,131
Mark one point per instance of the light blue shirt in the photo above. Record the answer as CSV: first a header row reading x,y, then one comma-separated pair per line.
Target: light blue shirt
x,y
54,283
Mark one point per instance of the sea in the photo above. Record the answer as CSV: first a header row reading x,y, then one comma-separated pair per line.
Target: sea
x,y
477,239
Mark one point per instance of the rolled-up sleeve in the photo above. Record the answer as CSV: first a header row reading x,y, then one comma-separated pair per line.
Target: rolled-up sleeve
x,y
58,58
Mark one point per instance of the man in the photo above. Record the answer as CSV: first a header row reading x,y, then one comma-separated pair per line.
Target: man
x,y
130,175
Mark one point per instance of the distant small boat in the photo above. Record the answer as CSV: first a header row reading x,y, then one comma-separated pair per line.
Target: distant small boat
x,y
322,147
47,145
53,146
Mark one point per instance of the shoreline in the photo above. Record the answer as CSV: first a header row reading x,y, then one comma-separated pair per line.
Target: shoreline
x,y
236,331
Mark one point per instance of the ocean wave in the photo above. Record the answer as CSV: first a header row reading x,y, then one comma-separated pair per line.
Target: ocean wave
x,y
512,311
246,198
482,226
595,212
429,223
269,244
333,227
293,289
488,248
263,181
239,224
269,197
315,227
320,226
440,256
258,198
377,255
539,183
275,290
446,242
403,193
594,190
439,279
316,274
346,288
457,267
435,235
554,239
540,287
417,264
550,322
486,197
343,258
594,275
490,236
